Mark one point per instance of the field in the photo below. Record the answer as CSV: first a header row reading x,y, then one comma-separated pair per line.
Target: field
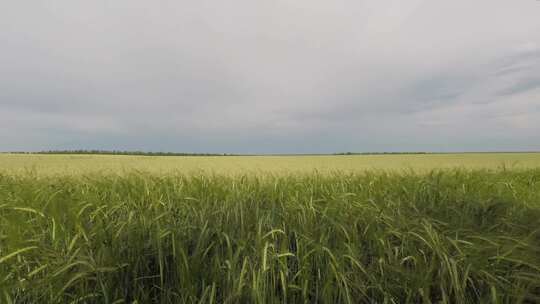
x,y
445,228
77,164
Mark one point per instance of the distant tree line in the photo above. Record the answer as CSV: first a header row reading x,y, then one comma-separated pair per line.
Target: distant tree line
x,y
118,152
145,153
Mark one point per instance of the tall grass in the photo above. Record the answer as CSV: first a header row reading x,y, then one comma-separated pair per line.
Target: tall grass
x,y
444,237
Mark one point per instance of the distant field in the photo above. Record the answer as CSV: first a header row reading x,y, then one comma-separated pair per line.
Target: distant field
x,y
80,164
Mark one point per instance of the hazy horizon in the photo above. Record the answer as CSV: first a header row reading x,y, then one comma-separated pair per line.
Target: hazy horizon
x,y
278,77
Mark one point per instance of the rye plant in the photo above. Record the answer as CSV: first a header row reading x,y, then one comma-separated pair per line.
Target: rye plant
x,y
451,236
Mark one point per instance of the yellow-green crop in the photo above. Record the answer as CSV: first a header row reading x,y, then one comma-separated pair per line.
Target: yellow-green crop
x,y
449,236
81,164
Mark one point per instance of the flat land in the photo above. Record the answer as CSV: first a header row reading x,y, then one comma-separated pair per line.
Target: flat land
x,y
82,164
451,236
384,229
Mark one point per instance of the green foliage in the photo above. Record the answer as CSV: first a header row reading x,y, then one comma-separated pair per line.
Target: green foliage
x,y
444,237
119,152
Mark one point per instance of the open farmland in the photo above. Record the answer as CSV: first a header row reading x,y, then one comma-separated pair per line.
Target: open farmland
x,y
207,230
117,164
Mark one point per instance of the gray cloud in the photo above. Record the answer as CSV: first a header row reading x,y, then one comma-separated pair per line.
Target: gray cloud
x,y
522,85
279,76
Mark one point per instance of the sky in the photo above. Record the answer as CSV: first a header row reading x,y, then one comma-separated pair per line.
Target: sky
x,y
270,76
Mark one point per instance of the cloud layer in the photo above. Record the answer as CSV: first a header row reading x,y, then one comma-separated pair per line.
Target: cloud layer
x,y
270,76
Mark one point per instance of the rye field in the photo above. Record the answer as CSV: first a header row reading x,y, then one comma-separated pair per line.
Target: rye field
x,y
443,228
44,164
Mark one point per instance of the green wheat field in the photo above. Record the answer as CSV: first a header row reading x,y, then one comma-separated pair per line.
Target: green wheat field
x,y
435,228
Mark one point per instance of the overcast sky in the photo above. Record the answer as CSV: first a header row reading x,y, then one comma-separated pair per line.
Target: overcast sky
x,y
270,76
